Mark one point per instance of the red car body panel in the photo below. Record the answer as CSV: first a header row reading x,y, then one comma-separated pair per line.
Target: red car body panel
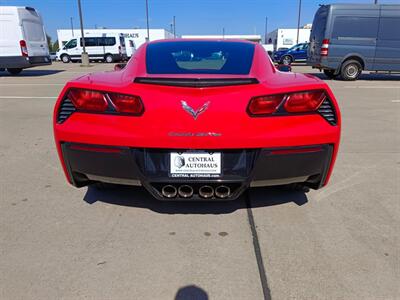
x,y
164,120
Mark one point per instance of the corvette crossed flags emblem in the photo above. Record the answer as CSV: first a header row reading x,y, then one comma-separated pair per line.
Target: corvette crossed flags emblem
x,y
192,112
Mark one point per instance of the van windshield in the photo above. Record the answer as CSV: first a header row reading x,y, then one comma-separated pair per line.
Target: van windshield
x,y
199,57
71,44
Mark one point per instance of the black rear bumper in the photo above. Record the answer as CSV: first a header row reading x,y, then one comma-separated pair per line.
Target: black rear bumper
x,y
241,169
21,62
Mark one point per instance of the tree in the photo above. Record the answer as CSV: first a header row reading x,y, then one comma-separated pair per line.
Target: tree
x,y
49,43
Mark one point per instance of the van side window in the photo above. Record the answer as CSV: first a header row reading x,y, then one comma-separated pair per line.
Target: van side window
x,y
107,41
355,27
90,42
389,29
71,44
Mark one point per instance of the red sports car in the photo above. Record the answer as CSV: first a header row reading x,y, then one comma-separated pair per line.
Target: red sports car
x,y
197,119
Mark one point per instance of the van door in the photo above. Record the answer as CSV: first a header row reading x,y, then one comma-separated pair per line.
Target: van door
x,y
317,35
387,57
354,35
73,49
35,38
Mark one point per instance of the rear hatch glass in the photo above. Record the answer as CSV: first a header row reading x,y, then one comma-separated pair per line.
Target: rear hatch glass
x,y
199,57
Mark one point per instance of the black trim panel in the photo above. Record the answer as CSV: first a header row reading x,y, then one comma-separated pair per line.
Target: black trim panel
x,y
310,164
195,82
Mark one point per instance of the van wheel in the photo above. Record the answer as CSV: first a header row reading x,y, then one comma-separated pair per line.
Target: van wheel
x,y
14,71
330,73
109,58
350,70
65,58
286,60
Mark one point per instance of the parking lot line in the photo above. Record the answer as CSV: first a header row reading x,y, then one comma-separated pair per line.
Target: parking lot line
x,y
27,97
46,84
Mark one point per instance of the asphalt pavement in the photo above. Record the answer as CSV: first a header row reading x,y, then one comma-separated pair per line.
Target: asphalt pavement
x,y
59,242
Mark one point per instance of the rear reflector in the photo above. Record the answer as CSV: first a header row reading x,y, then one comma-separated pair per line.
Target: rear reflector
x,y
126,103
264,105
95,149
295,150
88,100
24,49
304,101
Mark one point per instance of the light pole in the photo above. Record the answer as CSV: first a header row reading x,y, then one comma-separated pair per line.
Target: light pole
x,y
223,32
298,23
72,27
266,30
84,56
147,21
174,27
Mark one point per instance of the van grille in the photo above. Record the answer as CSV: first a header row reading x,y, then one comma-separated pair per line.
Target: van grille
x,y
66,109
327,111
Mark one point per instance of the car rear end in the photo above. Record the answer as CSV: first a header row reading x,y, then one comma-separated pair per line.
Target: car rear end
x,y
34,46
205,135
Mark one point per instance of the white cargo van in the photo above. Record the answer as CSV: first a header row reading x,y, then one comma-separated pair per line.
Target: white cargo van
x,y
23,42
108,47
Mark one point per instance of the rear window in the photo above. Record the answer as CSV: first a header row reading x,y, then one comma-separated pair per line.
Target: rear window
x,y
199,57
319,24
33,31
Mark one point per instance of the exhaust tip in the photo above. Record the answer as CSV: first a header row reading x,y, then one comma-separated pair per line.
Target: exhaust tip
x,y
222,191
206,191
185,191
169,191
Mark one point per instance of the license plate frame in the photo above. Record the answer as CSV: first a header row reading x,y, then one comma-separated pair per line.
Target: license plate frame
x,y
195,164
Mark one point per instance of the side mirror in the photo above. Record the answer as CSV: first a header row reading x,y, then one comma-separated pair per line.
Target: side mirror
x,y
284,68
119,67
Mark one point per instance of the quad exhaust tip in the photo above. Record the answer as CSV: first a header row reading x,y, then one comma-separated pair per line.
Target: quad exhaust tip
x,y
206,191
185,191
222,191
169,191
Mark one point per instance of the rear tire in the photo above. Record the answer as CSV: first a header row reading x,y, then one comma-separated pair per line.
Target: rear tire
x,y
65,58
14,71
286,60
350,70
109,59
330,73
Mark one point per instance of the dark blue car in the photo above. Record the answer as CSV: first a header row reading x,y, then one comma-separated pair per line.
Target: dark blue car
x,y
296,53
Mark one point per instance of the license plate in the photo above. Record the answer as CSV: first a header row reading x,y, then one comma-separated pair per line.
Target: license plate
x,y
195,164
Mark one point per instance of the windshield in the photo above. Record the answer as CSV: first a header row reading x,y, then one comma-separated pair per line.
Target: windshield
x,y
199,57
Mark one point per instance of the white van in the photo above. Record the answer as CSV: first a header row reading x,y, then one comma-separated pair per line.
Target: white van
x,y
130,47
23,42
108,47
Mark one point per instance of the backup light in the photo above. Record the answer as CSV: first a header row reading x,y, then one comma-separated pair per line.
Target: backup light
x,y
126,103
304,102
264,105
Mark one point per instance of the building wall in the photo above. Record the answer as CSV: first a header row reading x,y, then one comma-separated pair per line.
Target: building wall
x,y
288,37
137,35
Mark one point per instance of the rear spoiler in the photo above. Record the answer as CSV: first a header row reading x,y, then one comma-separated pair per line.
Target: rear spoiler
x,y
195,82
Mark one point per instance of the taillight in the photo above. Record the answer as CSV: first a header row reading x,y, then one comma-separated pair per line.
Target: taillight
x,y
97,101
126,103
88,100
325,47
298,102
304,102
24,49
264,105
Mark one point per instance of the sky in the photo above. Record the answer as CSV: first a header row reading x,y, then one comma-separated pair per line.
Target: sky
x,y
192,16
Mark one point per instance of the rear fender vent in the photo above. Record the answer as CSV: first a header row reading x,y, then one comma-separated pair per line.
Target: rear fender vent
x,y
66,109
327,111
195,82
